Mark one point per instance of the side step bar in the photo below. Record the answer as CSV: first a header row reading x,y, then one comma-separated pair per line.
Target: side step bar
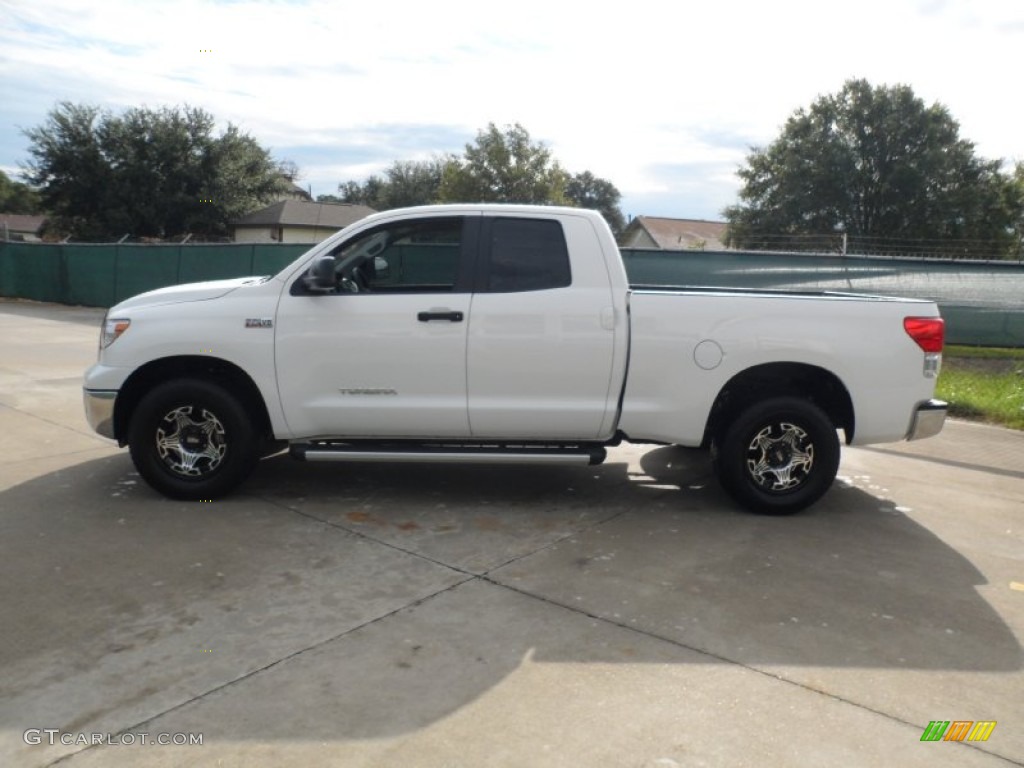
x,y
454,452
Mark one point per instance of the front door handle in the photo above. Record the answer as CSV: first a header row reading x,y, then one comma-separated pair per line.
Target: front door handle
x,y
439,314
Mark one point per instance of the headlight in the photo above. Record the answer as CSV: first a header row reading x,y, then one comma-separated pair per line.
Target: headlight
x,y
113,327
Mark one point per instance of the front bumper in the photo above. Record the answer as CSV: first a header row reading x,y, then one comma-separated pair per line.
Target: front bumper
x,y
99,410
928,420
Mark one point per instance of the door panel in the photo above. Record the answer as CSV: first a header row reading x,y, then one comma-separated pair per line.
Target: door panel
x,y
540,359
538,367
383,354
366,366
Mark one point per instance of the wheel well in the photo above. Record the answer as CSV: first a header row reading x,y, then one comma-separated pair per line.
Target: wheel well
x,y
230,376
819,386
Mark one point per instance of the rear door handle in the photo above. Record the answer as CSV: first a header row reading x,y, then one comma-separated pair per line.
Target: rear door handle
x,y
452,317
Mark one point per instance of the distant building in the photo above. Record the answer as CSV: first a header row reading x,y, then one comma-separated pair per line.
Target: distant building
x,y
21,227
297,221
674,234
295,192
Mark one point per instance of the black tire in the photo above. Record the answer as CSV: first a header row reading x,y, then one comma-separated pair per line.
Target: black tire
x,y
190,439
778,456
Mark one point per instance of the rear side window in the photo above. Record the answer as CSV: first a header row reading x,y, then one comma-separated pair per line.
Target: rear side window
x,y
527,255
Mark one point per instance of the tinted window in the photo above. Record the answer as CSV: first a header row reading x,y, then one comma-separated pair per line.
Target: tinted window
x,y
422,255
527,255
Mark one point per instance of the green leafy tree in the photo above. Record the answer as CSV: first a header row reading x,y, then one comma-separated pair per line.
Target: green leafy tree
x,y
69,165
501,167
585,190
504,167
16,197
371,192
404,183
1016,194
877,164
411,183
147,173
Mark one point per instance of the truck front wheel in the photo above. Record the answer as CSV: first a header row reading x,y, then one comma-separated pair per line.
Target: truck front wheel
x,y
190,439
778,456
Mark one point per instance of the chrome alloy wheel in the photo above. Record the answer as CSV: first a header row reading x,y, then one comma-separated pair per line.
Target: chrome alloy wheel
x,y
780,457
188,446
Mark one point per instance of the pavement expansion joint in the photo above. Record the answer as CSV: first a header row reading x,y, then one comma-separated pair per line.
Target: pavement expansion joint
x,y
83,432
135,727
486,577
947,462
726,660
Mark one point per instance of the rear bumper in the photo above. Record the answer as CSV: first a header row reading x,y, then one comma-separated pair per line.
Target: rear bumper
x,y
99,410
928,420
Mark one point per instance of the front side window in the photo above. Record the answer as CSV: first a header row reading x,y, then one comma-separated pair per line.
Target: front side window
x,y
527,255
418,256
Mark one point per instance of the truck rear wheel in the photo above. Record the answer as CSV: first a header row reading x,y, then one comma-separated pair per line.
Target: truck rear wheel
x,y
778,456
190,439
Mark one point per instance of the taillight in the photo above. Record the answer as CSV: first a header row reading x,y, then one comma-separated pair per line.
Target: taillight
x,y
928,332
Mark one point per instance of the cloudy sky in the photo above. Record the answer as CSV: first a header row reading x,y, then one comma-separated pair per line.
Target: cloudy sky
x,y
661,98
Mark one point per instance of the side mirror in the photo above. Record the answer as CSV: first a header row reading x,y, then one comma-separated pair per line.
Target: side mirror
x,y
320,277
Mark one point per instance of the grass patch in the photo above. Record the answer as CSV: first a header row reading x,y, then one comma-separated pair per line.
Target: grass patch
x,y
984,384
982,353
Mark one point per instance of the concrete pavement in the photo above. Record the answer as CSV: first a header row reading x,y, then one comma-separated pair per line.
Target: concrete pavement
x,y
378,615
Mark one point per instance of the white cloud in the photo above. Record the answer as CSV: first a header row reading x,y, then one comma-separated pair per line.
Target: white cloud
x,y
621,91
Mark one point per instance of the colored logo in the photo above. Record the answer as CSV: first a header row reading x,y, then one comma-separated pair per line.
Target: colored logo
x,y
958,730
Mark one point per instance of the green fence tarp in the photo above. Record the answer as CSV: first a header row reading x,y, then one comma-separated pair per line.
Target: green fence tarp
x,y
983,303
102,275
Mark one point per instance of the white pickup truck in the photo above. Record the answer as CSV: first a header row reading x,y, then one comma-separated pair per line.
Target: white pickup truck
x,y
510,334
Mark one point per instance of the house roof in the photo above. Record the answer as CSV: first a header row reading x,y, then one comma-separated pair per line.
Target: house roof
x,y
299,213
681,234
303,194
21,223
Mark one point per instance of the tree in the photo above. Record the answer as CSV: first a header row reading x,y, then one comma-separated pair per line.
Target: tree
x,y
371,192
874,163
501,167
16,197
585,190
146,173
289,170
413,183
405,183
1016,193
504,167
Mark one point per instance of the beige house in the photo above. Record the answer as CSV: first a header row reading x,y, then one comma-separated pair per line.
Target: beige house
x,y
674,234
21,227
297,221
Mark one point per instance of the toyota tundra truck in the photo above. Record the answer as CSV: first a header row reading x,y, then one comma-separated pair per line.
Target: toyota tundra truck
x,y
504,333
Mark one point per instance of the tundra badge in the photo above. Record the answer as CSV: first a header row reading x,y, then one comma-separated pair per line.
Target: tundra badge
x,y
259,322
